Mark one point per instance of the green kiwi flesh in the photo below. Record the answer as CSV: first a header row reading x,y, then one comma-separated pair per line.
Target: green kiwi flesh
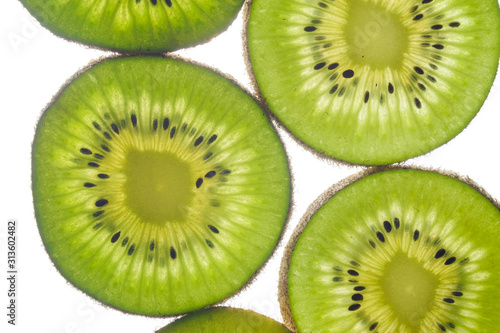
x,y
224,319
136,25
159,186
374,82
397,250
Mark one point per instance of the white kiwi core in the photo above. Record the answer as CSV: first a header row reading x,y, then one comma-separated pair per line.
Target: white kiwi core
x,y
409,289
158,185
374,36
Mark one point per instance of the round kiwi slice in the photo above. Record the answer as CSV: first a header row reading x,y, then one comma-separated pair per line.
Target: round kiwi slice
x,y
401,250
224,319
374,82
136,25
159,186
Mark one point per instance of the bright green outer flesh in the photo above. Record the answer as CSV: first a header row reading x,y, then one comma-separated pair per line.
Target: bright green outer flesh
x,y
221,231
405,284
334,114
136,26
224,320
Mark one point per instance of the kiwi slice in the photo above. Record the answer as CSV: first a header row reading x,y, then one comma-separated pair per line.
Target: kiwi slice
x,y
398,250
225,319
374,82
136,25
159,186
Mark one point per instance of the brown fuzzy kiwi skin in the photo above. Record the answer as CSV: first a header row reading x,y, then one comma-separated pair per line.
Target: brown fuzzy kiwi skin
x,y
283,297
235,83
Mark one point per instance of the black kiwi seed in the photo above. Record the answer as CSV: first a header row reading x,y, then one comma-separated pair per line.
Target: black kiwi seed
x,y
334,89
173,253
449,300
457,293
359,288
372,244
209,243
85,151
168,3
98,213
348,74
213,229
155,124
418,17
418,70
438,46
98,156
367,97
172,132
115,237
333,66
354,307
396,223
442,327
454,24
416,234
152,245
437,27
212,139
93,164
320,65
440,253
310,29
96,126
207,156
387,226
418,103
373,326
89,185
390,88
380,237
115,128
106,148
125,241
133,118
166,122
357,297
198,141
199,181
103,176
450,261
210,174
131,249
353,272
101,202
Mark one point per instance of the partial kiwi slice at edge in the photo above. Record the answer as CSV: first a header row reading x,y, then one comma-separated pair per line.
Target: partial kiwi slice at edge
x,y
159,186
395,250
136,25
224,319
374,82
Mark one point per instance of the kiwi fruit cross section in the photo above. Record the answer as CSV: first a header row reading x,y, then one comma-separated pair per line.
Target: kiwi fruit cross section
x,y
369,81
136,25
224,320
159,186
396,250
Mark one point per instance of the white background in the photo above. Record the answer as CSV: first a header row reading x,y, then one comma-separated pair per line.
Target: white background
x,y
34,64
